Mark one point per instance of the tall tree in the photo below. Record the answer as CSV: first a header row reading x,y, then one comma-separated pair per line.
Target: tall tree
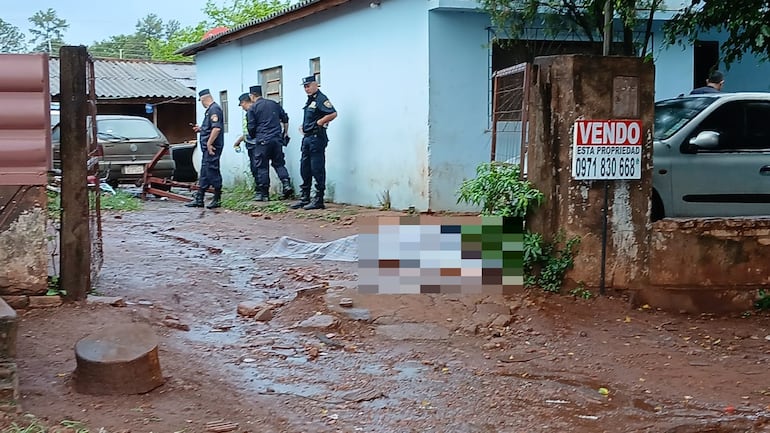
x,y
136,45
747,26
164,49
516,19
47,30
11,38
242,11
150,27
230,15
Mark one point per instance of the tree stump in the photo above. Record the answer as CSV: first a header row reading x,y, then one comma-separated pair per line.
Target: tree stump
x,y
120,360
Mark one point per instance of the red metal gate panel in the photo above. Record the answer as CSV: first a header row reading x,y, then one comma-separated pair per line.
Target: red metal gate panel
x,y
25,123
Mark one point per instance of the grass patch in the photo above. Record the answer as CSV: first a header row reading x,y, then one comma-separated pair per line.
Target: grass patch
x,y
33,425
273,207
240,197
121,200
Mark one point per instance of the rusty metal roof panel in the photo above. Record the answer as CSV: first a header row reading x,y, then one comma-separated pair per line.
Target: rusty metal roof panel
x,y
128,79
25,124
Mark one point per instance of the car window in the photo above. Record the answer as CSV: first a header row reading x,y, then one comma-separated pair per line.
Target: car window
x,y
672,114
757,125
133,129
728,121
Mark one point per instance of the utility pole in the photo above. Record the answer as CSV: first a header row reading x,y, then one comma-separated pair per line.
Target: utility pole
x,y
608,13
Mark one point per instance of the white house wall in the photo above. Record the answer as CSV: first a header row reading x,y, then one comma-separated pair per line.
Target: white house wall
x,y
459,102
374,64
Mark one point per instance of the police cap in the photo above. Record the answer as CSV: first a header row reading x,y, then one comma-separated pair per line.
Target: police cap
x,y
255,90
308,80
244,98
204,92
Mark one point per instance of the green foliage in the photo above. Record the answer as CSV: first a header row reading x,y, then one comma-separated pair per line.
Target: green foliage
x,y
546,263
54,286
149,30
747,27
384,200
240,196
763,301
121,201
11,38
514,19
241,11
581,292
499,190
47,30
163,49
54,206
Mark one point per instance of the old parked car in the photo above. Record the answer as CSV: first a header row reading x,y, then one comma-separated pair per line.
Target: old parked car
x,y
129,143
711,156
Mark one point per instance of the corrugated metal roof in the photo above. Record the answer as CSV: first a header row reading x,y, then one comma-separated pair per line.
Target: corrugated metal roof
x,y
212,40
124,79
182,72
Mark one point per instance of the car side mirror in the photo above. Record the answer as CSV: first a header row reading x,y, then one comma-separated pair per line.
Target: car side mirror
x,y
708,140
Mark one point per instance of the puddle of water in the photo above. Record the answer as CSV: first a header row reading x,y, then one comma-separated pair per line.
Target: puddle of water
x,y
409,370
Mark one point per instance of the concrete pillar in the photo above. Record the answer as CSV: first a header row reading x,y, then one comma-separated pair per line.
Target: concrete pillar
x,y
573,87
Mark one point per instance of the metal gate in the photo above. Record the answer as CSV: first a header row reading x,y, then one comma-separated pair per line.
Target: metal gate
x,y
94,181
510,99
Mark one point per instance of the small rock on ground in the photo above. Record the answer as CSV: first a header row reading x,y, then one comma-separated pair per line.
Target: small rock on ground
x,y
323,321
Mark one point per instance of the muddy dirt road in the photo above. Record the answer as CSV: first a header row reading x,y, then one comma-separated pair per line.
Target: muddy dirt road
x,y
524,363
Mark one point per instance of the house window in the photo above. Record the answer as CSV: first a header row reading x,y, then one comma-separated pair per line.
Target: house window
x,y
271,83
223,105
315,69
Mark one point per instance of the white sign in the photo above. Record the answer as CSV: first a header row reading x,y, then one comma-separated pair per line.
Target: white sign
x,y
607,149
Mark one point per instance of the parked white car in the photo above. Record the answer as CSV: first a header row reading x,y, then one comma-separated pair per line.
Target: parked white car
x,y
711,156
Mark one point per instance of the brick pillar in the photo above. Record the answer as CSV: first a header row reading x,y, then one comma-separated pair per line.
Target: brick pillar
x,y
568,88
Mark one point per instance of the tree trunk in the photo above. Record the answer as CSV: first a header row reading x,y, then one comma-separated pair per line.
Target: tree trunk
x,y
120,360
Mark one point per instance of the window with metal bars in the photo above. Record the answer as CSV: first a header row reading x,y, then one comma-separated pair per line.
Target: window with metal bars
x,y
272,80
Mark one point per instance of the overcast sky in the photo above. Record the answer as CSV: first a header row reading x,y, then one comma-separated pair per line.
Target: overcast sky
x,y
96,20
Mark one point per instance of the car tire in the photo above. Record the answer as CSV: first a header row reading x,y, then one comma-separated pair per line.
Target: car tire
x,y
656,207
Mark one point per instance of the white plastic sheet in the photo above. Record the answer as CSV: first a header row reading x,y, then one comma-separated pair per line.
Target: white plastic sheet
x,y
343,250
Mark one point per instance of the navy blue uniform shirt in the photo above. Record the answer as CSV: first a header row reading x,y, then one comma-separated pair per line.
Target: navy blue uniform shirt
x,y
264,118
316,107
704,89
212,119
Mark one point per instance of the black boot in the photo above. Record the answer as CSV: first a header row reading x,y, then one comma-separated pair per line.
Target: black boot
x,y
216,201
288,190
197,200
262,192
317,203
304,200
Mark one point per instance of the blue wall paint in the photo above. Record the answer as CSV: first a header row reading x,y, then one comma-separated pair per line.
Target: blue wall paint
x,y
374,73
413,98
459,102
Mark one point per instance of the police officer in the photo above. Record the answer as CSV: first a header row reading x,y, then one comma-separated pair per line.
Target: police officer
x,y
245,102
268,123
212,143
318,111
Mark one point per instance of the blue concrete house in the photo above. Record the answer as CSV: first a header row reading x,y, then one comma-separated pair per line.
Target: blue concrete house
x,y
411,82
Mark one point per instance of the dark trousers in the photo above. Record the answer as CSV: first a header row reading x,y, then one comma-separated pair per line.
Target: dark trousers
x,y
278,159
210,174
261,156
312,164
261,168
